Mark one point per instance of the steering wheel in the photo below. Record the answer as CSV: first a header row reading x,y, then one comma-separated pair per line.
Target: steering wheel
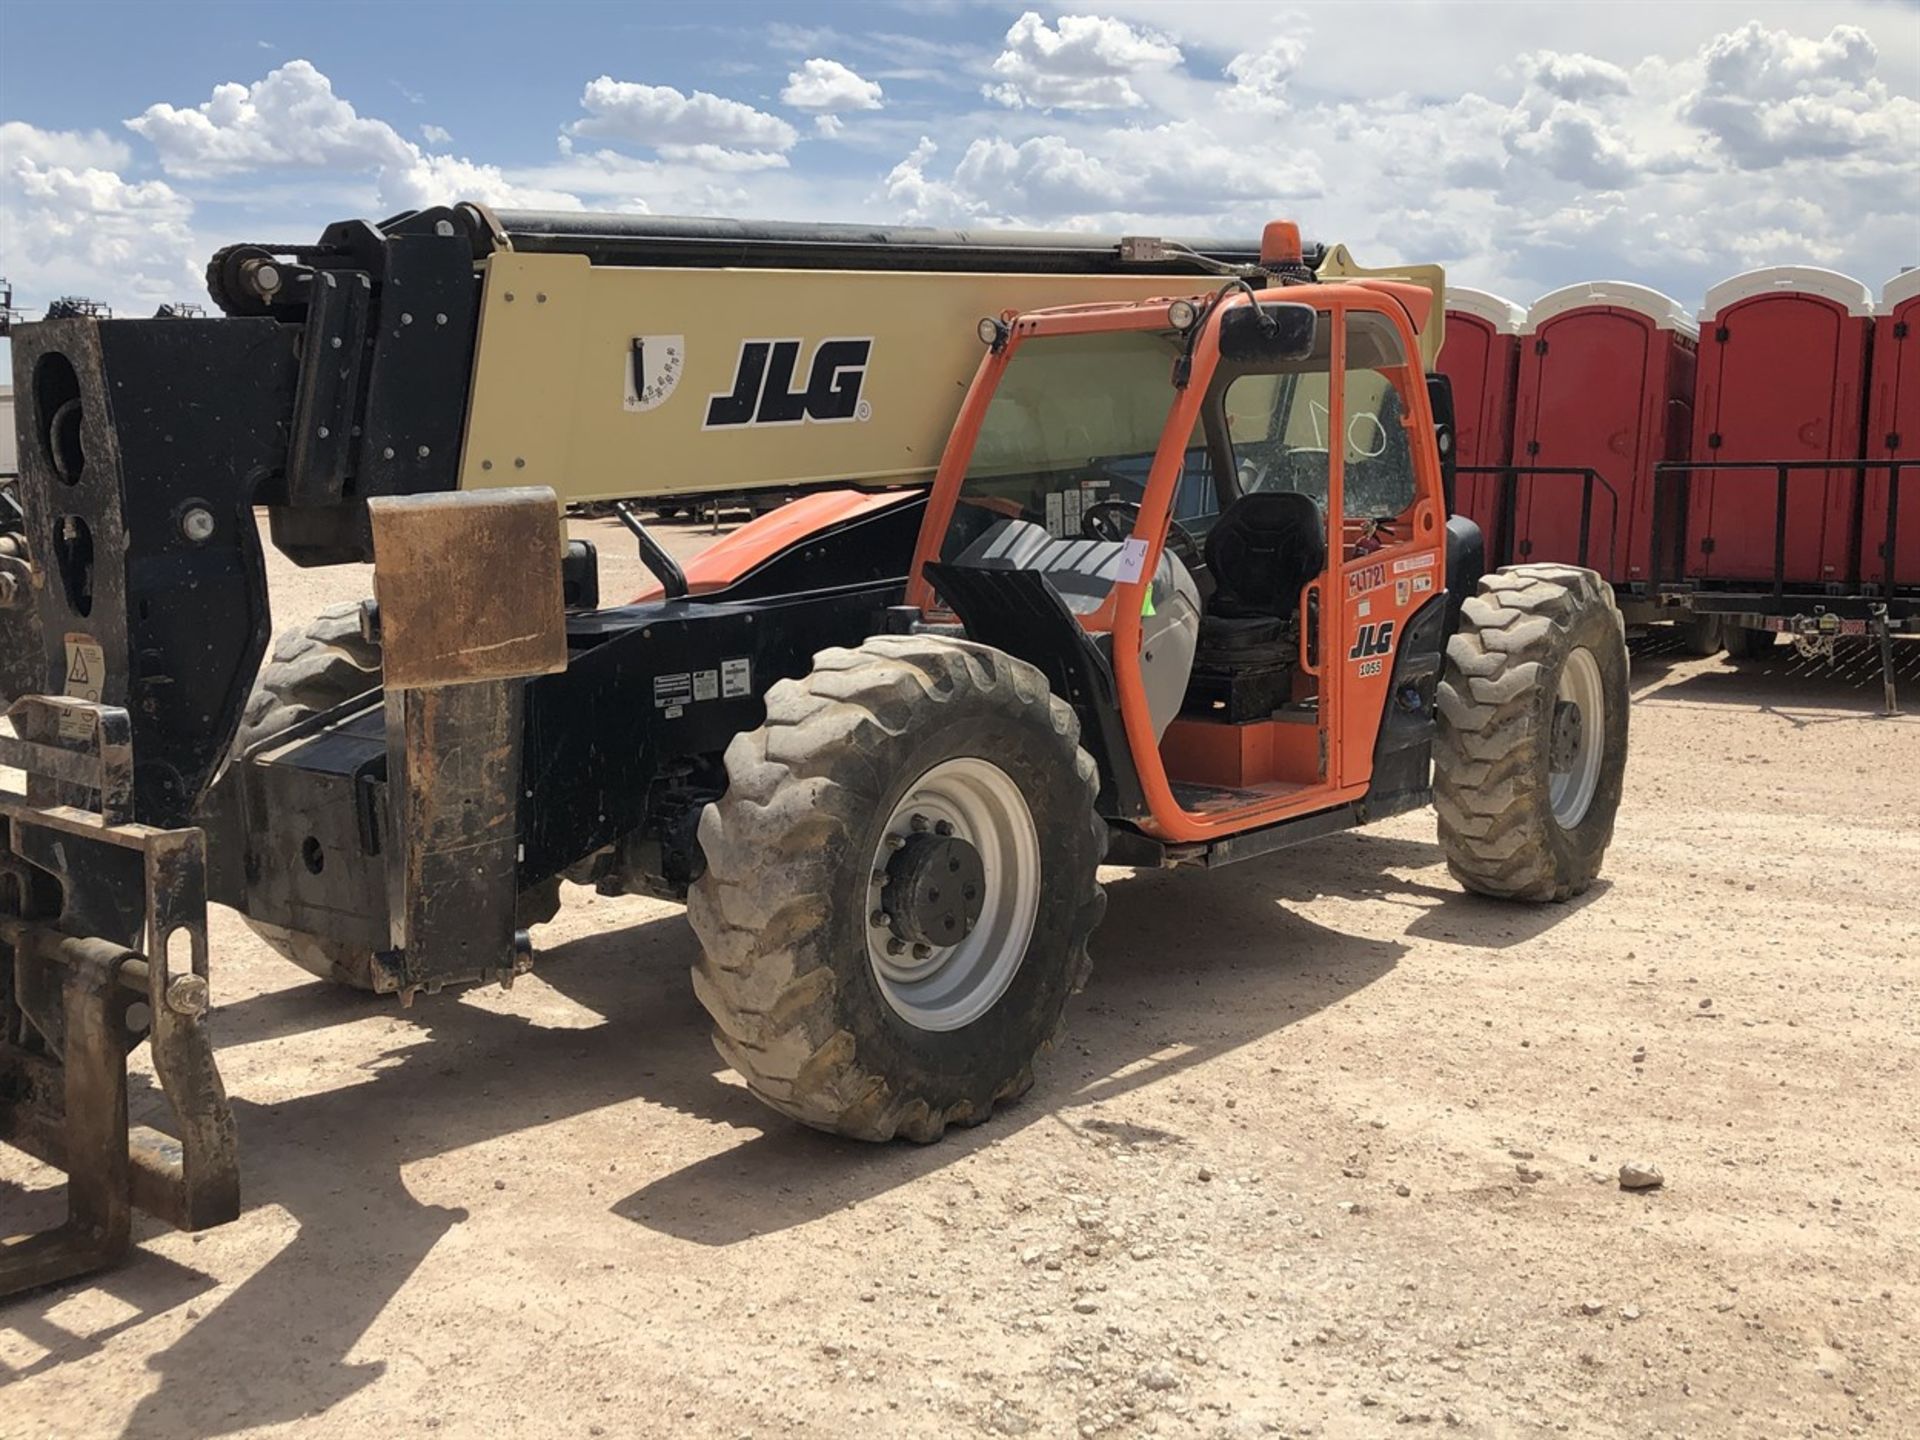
x,y
1113,520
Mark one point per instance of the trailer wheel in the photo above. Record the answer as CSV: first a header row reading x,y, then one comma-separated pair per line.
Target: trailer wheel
x,y
314,668
1702,635
900,886
1532,734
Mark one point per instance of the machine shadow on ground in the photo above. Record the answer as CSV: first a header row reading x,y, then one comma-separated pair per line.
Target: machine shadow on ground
x,y
1781,682
1167,995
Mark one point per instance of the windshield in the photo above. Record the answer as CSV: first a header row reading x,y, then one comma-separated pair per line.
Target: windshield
x,y
1074,422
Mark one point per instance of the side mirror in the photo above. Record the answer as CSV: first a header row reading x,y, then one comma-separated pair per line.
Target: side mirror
x,y
1270,333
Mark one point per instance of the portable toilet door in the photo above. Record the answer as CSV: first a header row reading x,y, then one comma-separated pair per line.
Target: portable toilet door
x,y
1893,433
1782,377
1606,379
1481,359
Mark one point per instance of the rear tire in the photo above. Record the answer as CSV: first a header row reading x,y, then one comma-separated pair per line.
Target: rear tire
x,y
315,668
1535,679
808,1006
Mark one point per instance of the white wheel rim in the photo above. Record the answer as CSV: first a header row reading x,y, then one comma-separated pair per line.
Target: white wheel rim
x,y
1573,777
947,987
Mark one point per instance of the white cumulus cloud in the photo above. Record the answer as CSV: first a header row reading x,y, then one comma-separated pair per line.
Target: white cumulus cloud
x,y
1574,76
1083,62
1769,97
828,87
1180,169
75,149
1260,76
696,125
1572,143
79,228
292,120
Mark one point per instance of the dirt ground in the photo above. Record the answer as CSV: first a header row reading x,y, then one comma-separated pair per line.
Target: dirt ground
x,y
1331,1149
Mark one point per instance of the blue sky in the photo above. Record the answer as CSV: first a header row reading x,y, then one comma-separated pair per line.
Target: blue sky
x,y
1524,146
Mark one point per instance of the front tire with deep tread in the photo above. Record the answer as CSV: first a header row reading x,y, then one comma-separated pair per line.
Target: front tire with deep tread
x,y
1497,700
781,911
314,668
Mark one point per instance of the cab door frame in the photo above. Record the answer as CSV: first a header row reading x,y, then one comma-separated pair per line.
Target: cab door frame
x,y
1350,734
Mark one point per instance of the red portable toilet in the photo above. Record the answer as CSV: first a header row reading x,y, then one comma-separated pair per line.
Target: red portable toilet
x,y
1481,357
1893,433
1782,377
1606,383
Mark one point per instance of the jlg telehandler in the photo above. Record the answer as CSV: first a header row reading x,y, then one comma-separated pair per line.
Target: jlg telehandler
x,y
1184,590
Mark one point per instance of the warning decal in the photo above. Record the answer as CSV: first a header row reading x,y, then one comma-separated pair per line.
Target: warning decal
x,y
86,667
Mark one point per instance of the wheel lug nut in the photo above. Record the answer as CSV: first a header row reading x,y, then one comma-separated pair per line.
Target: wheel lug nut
x,y
896,947
878,919
943,827
919,823
923,952
896,842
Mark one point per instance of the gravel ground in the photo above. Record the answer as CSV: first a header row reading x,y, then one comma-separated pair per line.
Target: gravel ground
x,y
1330,1149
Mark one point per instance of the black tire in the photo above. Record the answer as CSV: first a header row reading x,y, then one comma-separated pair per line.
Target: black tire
x,y
1497,706
1744,643
781,911
314,668
1702,635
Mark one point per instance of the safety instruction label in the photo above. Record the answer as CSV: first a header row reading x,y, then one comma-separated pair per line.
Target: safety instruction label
x,y
706,684
86,667
736,677
672,693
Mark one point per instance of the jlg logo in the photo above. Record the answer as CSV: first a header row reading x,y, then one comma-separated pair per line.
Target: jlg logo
x,y
1374,639
763,392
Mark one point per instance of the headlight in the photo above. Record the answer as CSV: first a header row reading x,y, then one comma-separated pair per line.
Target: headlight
x,y
992,332
1181,314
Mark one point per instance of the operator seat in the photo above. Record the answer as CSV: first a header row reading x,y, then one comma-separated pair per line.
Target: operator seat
x,y
1264,547
1083,573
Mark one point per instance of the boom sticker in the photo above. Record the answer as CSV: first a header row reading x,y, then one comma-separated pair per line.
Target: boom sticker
x,y
654,367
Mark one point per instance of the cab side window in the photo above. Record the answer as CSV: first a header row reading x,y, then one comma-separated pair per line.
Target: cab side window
x,y
1377,448
1276,423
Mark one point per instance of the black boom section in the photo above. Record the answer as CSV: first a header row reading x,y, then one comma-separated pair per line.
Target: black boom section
x,y
144,442
689,241
1020,612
